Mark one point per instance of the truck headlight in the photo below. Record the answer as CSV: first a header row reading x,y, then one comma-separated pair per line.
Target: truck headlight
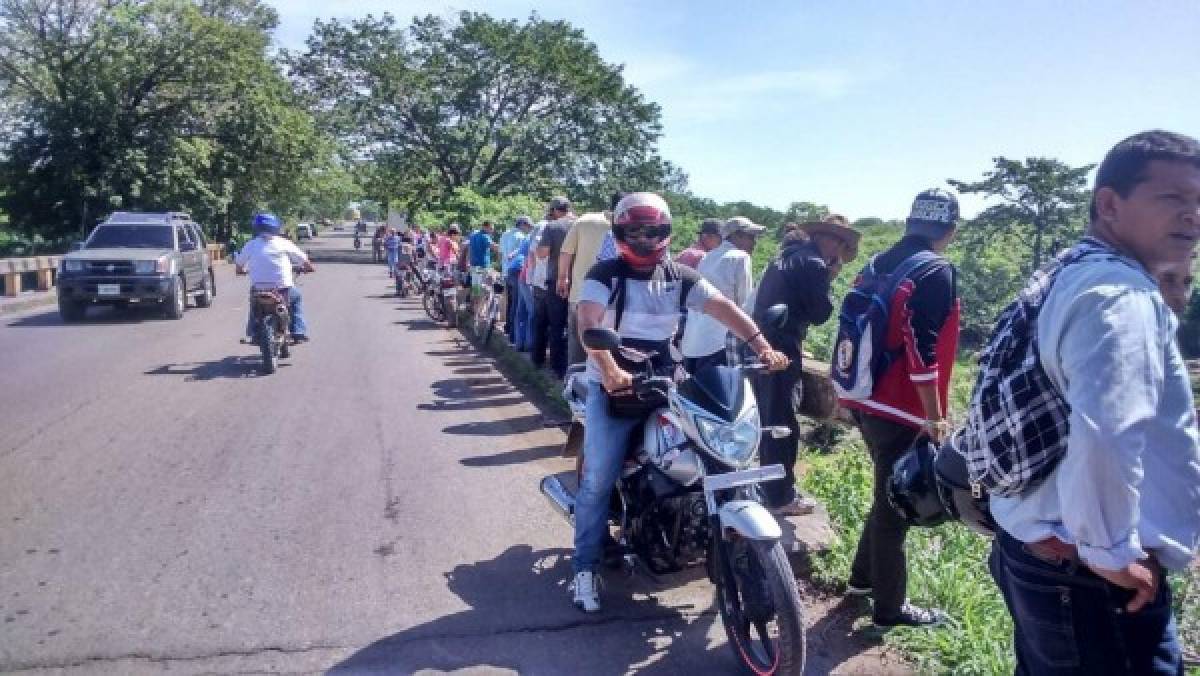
x,y
736,442
144,267
69,265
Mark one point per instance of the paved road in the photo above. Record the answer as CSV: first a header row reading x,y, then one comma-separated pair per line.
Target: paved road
x,y
370,508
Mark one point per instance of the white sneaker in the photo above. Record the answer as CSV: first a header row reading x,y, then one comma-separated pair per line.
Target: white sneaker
x,y
586,589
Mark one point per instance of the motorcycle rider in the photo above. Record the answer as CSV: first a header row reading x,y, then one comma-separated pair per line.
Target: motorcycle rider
x,y
268,259
645,286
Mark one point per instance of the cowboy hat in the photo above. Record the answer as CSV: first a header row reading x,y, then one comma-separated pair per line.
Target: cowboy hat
x,y
837,226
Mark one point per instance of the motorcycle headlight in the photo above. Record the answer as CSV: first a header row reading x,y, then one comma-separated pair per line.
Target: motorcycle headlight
x,y
735,442
72,266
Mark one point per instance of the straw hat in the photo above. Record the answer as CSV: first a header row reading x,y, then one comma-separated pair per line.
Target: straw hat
x,y
837,226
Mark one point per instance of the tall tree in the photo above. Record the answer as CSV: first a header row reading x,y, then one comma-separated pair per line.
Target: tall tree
x,y
498,106
1040,198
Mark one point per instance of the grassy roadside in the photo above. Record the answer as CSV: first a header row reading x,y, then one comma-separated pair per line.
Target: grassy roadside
x,y
947,569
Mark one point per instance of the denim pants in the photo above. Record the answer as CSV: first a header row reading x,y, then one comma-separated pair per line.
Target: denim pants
x,y
510,306
605,441
1068,620
524,331
539,330
297,326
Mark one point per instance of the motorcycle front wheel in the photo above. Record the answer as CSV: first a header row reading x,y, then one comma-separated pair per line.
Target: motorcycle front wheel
x,y
266,343
760,607
433,305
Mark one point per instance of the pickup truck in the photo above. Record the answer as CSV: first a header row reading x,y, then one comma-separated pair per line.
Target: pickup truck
x,y
138,258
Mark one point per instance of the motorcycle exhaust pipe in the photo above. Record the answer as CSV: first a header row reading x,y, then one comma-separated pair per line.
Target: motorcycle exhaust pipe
x,y
559,497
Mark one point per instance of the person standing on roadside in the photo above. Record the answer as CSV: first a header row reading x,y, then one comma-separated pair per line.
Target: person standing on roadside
x,y
1080,556
549,246
729,269
708,239
510,241
579,251
1175,282
799,277
481,246
910,398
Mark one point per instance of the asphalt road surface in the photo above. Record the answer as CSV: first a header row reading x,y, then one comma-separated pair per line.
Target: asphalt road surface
x,y
370,508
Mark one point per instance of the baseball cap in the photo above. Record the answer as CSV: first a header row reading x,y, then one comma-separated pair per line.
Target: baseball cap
x,y
560,203
710,226
741,224
933,208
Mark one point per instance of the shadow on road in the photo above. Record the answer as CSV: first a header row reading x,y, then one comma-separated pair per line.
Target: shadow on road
x,y
419,324
513,457
520,618
95,315
471,388
489,428
471,404
229,367
473,370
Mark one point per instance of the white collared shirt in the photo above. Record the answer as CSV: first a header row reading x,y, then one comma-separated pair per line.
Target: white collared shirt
x,y
729,269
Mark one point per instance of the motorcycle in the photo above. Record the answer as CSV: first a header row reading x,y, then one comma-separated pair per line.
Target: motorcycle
x,y
271,319
441,295
688,495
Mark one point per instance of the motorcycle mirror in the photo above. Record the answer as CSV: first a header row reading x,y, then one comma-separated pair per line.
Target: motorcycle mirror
x,y
778,432
601,339
777,316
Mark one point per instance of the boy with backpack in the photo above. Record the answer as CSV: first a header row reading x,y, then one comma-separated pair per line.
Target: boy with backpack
x,y
1082,429
897,338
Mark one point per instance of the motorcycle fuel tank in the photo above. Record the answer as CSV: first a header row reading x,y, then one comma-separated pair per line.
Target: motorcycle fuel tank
x,y
665,446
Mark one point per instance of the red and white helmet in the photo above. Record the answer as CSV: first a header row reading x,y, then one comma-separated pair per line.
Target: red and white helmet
x,y
650,211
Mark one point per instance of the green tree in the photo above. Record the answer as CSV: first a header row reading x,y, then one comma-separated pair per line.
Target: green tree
x,y
1040,199
499,106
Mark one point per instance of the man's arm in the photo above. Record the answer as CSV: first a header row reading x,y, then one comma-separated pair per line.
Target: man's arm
x,y
565,261
1111,359
614,378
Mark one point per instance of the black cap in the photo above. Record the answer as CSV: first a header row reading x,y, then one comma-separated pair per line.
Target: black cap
x,y
710,226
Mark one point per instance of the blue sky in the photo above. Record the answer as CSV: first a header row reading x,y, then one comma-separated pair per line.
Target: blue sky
x,y
859,105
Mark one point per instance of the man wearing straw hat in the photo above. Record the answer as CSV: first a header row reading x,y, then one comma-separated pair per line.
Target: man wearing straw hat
x,y
812,254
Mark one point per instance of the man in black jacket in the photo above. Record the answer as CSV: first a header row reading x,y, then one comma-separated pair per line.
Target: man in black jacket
x,y
799,277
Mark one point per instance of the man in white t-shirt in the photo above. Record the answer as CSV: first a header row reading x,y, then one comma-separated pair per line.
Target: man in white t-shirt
x,y
268,259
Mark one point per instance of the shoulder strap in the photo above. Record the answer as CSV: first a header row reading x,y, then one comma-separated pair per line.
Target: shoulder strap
x,y
617,295
909,266
685,287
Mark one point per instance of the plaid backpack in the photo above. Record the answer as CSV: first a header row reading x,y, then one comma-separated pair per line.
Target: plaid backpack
x,y
1016,430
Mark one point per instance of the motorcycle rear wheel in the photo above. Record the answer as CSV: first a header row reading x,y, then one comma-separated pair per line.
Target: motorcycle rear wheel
x,y
266,343
760,607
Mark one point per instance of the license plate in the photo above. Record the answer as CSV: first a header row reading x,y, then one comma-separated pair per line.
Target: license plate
x,y
717,482
108,289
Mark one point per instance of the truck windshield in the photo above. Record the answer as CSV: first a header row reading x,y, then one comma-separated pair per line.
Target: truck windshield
x,y
132,237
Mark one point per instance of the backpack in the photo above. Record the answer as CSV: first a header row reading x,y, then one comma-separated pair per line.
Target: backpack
x,y
860,355
1016,429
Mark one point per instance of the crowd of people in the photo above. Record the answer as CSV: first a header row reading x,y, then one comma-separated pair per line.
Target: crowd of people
x,y
1099,530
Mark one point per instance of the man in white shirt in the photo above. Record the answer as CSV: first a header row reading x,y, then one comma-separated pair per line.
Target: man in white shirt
x,y
728,268
268,259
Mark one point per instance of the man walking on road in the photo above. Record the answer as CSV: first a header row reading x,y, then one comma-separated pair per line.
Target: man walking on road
x,y
1080,556
728,268
909,398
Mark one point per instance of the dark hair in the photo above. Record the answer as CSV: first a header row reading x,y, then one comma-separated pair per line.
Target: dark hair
x,y
1124,167
616,199
486,224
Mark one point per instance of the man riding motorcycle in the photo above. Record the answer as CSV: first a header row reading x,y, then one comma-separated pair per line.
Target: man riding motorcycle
x,y
641,295
269,259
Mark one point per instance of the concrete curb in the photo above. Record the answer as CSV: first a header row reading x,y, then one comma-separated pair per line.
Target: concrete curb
x,y
37,300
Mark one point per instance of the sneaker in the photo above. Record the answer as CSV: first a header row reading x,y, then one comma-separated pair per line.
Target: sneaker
x,y
913,616
858,589
586,591
800,506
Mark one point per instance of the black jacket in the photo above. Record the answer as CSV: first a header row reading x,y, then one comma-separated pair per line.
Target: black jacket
x,y
798,278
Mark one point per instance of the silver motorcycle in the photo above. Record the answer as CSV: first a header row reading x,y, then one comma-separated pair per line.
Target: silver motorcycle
x,y
688,495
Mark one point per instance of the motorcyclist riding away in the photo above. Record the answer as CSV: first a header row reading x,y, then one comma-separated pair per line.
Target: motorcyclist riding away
x,y
641,295
268,259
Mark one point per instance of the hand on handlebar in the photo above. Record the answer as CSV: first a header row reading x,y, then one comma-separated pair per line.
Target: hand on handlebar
x,y
774,360
616,381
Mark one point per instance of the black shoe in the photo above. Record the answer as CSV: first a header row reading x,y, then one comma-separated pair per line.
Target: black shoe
x,y
913,616
296,340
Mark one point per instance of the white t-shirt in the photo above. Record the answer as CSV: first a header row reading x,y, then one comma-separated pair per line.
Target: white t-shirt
x,y
728,268
269,261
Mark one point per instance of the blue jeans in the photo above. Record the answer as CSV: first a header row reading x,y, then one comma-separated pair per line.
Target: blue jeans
x,y
297,326
605,441
392,257
1067,620
524,338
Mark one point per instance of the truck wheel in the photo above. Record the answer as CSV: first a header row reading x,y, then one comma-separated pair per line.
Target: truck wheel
x,y
176,301
71,310
205,297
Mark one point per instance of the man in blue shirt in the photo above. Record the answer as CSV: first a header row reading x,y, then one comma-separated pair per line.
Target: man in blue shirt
x,y
510,243
1080,557
480,248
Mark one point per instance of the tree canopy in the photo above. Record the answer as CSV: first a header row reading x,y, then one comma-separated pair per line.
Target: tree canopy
x,y
501,107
